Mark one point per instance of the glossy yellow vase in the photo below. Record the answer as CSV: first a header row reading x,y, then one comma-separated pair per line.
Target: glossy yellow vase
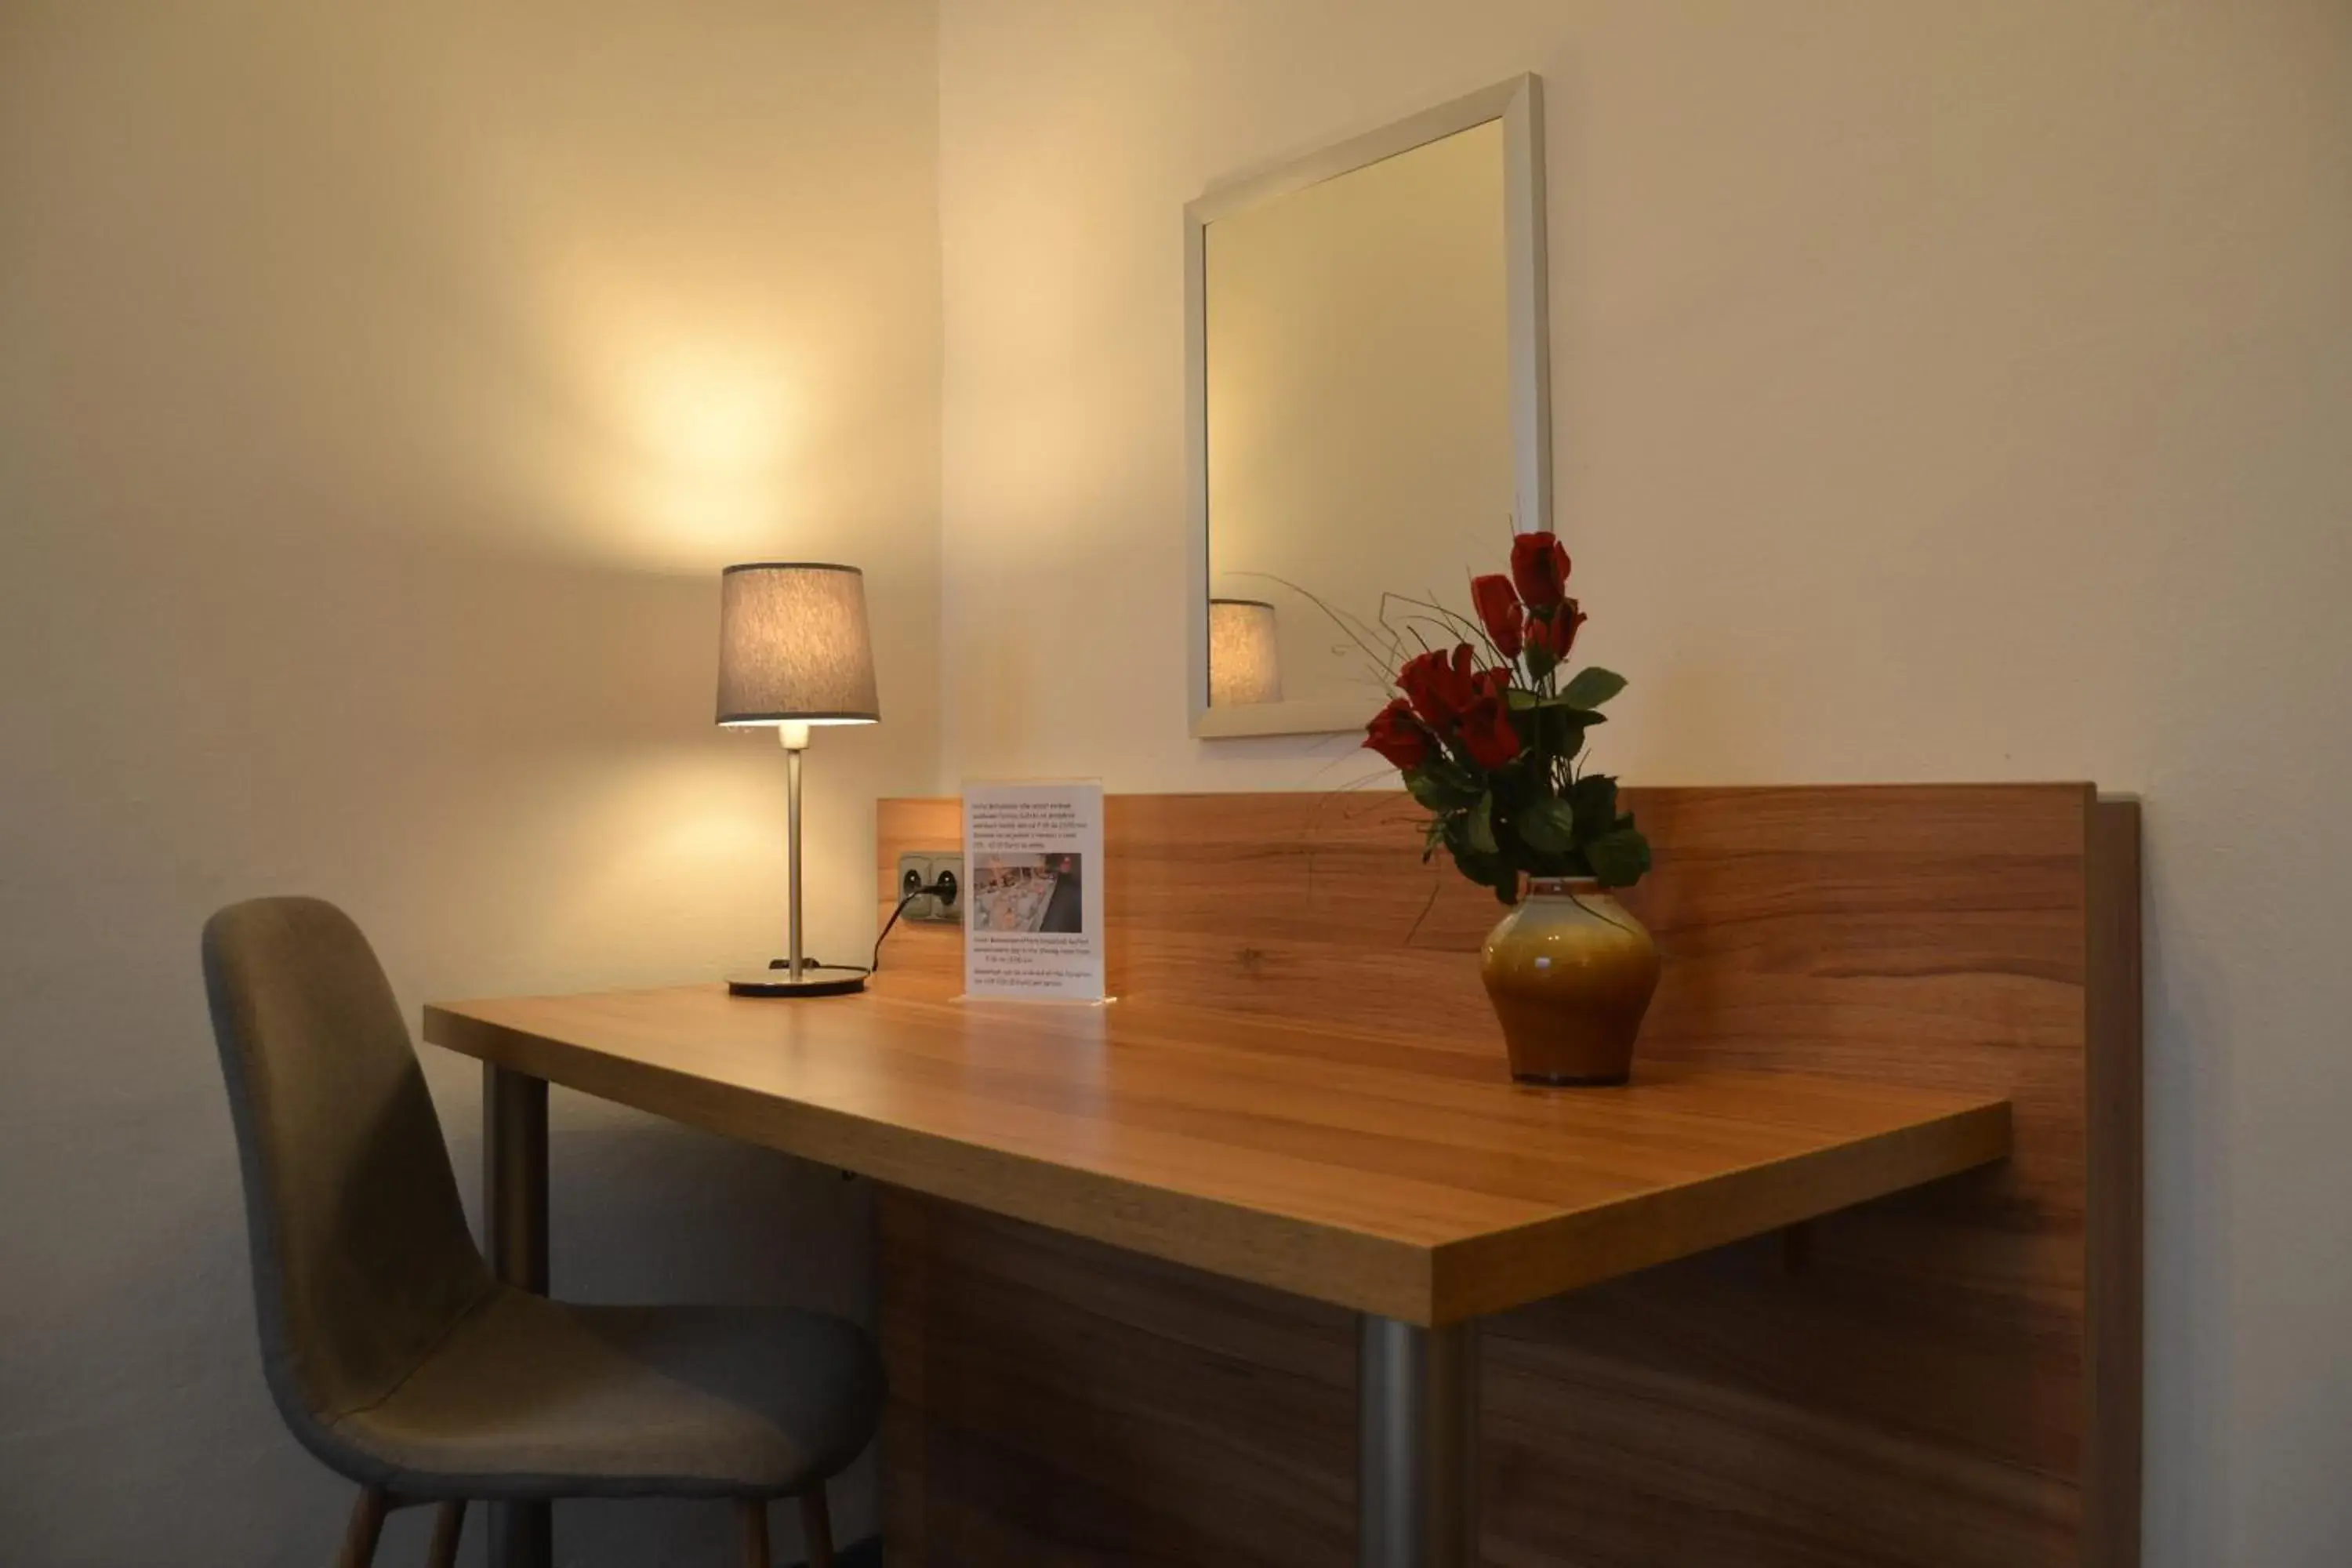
x,y
1571,975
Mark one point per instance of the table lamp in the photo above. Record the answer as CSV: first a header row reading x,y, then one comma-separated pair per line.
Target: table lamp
x,y
794,653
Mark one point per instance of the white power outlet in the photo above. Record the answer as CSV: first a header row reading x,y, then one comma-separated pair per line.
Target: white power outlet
x,y
947,905
915,871
918,871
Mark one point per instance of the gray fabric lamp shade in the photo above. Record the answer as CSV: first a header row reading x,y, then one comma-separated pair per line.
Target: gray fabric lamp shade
x,y
793,646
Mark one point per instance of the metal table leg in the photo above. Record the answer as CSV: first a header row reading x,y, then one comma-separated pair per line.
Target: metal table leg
x,y
1416,1445
514,1190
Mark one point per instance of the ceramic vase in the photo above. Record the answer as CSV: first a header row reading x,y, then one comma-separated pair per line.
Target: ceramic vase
x,y
1570,973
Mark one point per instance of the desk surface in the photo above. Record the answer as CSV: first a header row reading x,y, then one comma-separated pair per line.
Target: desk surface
x,y
1376,1171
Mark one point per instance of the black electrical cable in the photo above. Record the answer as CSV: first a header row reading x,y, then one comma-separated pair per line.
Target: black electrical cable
x,y
942,889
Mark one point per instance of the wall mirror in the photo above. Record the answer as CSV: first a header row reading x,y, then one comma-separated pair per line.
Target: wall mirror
x,y
1368,396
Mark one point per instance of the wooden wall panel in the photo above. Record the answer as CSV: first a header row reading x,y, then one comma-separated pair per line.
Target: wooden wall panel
x,y
1949,1377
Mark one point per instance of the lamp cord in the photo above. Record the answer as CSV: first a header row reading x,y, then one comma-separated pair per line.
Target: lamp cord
x,y
936,890
876,967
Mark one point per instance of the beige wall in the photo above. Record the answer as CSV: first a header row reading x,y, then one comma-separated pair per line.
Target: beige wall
x,y
381,389
1941,392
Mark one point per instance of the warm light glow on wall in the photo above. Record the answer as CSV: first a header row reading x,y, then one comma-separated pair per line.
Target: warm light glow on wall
x,y
713,441
689,431
700,422
724,420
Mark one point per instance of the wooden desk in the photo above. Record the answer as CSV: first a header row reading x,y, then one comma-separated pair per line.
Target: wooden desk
x,y
1411,1183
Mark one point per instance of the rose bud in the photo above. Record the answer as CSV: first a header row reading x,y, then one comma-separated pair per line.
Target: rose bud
x,y
1500,612
1555,633
1540,567
1396,735
1486,733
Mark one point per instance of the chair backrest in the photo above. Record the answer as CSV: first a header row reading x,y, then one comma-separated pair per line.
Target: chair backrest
x,y
361,1260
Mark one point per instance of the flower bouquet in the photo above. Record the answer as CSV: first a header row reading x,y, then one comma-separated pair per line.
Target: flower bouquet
x,y
1487,735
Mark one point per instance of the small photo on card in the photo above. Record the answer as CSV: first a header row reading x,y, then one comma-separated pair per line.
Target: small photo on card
x,y
1029,893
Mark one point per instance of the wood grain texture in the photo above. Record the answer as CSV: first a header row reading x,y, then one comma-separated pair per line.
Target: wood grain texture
x,y
364,1529
1947,1377
1358,1168
448,1528
752,1529
816,1527
2117,1179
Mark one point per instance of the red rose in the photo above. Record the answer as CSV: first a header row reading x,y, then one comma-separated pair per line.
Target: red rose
x,y
1486,733
1422,680
1439,686
1499,608
1396,735
1553,635
1540,567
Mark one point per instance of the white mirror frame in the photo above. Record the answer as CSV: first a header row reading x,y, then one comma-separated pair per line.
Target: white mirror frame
x,y
1518,104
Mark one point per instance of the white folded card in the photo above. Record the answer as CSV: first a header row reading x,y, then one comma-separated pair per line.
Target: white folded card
x,y
1033,855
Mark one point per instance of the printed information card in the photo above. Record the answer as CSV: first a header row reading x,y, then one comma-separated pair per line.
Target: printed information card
x,y
1033,855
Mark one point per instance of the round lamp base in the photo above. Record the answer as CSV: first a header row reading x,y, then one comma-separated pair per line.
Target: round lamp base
x,y
813,980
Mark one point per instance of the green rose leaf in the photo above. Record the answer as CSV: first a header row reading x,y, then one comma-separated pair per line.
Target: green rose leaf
x,y
1480,833
1439,787
1488,871
1591,687
1546,826
1619,858
1594,799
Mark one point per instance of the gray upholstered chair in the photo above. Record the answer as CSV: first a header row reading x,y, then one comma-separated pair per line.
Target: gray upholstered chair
x,y
394,1354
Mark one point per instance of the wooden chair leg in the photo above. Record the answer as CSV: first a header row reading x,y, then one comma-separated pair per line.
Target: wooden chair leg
x,y
753,1513
366,1527
448,1523
816,1527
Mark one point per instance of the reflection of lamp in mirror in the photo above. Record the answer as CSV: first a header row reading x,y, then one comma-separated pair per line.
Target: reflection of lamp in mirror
x,y
1245,664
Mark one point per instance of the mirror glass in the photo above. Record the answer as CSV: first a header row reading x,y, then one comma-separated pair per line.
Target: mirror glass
x,y
1354,339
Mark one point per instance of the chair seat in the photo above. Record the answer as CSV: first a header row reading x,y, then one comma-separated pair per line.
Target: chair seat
x,y
530,1398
